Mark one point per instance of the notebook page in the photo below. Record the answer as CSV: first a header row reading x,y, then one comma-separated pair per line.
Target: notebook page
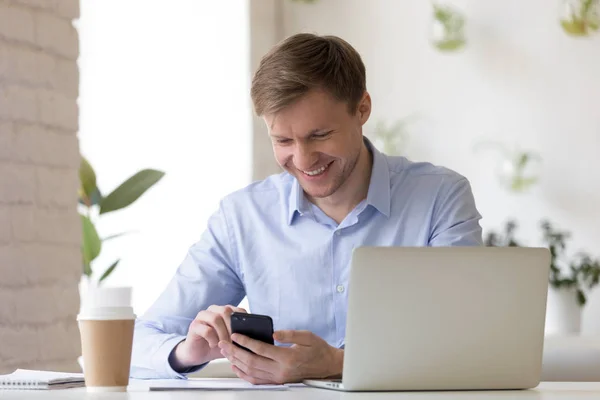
x,y
41,377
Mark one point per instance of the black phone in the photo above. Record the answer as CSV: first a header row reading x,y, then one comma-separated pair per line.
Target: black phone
x,y
255,326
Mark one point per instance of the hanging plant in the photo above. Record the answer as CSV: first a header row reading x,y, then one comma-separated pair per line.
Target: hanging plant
x,y
517,170
448,28
580,17
393,139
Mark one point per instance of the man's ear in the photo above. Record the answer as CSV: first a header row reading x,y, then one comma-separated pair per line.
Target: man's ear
x,y
364,108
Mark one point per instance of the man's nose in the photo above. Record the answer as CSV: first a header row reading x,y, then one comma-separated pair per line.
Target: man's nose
x,y
304,157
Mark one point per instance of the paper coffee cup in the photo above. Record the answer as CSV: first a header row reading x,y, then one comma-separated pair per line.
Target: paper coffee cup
x,y
106,323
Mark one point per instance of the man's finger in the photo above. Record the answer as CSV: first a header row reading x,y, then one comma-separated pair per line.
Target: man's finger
x,y
258,347
200,329
227,317
247,378
227,311
248,370
303,338
216,321
253,361
237,309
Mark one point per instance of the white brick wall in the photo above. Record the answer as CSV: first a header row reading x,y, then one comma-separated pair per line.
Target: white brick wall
x,y
40,259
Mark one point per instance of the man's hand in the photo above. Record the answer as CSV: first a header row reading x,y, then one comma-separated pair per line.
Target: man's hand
x,y
308,357
210,327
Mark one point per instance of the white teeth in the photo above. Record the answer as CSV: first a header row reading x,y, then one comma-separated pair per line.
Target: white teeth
x,y
316,171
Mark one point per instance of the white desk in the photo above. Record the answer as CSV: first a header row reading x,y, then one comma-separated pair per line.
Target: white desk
x,y
546,391
566,358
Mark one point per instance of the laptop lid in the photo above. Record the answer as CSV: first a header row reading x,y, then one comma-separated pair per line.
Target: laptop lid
x,y
451,318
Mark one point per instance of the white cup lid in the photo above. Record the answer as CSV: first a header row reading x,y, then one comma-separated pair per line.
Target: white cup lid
x,y
102,297
105,303
106,313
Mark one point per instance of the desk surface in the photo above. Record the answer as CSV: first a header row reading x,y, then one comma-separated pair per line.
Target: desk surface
x,y
546,391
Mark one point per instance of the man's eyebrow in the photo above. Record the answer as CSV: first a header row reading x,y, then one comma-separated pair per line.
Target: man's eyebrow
x,y
277,136
320,130
312,132
315,131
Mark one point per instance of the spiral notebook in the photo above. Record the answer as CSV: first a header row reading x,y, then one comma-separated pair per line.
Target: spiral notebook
x,y
23,379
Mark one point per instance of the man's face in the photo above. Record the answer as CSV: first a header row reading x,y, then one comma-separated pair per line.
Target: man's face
x,y
318,141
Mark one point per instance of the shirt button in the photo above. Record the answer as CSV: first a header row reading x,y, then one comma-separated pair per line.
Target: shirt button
x,y
340,288
338,233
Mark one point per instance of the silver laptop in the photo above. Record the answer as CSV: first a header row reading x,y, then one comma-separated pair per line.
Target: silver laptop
x,y
446,318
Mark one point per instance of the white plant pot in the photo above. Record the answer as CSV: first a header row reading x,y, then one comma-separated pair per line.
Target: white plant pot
x,y
85,285
563,313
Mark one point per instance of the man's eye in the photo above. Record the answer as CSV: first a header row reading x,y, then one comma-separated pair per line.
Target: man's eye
x,y
322,135
283,141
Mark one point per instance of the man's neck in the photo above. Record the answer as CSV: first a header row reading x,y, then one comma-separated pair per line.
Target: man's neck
x,y
353,191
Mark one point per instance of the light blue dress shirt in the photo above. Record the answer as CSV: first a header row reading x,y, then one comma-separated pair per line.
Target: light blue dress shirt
x,y
269,243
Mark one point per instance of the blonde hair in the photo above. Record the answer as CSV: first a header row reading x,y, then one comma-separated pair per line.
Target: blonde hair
x,y
304,62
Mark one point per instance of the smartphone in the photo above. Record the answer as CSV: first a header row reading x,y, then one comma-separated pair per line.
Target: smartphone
x,y
255,326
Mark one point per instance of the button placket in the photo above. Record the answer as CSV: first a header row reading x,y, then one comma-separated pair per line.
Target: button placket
x,y
339,289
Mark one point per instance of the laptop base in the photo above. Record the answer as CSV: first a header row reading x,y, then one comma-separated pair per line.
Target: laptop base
x,y
333,384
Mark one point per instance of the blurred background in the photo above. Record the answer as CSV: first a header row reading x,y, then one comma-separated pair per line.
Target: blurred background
x,y
506,93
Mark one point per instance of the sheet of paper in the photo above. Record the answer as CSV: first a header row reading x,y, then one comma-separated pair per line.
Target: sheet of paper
x,y
209,384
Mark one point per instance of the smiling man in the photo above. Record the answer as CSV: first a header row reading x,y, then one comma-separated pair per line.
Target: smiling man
x,y
286,242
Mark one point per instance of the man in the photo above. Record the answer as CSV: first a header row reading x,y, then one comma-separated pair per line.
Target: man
x,y
286,242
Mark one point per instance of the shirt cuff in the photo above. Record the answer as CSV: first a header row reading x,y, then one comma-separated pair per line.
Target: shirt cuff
x,y
161,360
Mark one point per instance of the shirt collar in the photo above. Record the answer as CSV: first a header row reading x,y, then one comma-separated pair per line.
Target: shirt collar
x,y
379,188
296,202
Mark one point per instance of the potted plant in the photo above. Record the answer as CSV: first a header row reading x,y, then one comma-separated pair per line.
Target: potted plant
x,y
93,204
569,280
580,17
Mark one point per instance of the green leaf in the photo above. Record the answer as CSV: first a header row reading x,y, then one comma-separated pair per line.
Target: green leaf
x,y
91,245
87,178
574,27
452,19
442,14
108,271
519,183
450,44
92,200
116,235
580,298
96,197
522,161
130,190
87,269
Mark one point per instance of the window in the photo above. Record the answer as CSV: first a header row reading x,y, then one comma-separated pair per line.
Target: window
x,y
165,85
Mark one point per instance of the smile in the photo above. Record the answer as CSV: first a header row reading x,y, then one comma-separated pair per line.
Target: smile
x,y
318,171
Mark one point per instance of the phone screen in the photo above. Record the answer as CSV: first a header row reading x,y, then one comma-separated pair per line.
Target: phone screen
x,y
255,326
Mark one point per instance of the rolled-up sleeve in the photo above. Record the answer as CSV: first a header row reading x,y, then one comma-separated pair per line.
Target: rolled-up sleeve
x,y
456,219
208,275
